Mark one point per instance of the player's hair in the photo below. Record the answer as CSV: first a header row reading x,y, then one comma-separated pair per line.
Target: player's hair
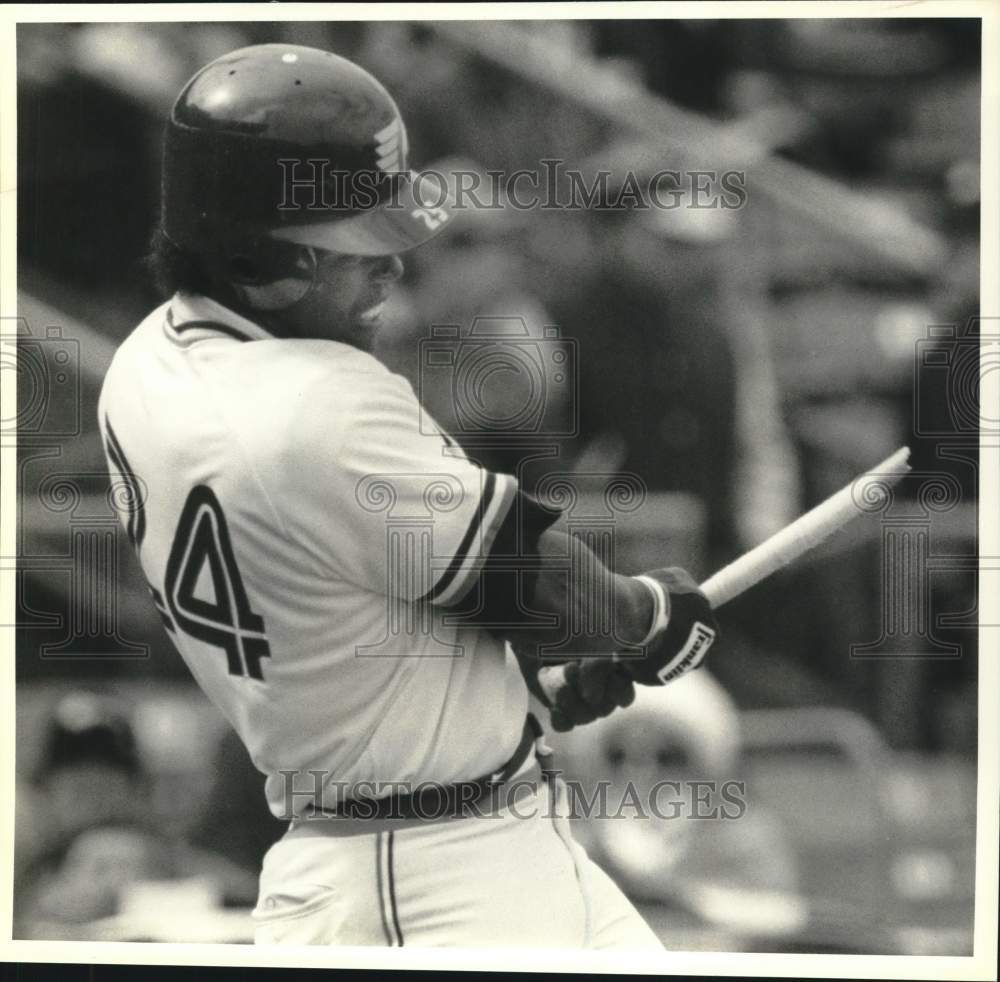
x,y
173,268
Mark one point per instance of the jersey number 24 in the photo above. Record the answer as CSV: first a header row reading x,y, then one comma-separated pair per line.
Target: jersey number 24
x,y
202,555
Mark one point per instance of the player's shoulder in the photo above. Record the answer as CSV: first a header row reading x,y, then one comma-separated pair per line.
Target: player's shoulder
x,y
125,366
290,397
313,374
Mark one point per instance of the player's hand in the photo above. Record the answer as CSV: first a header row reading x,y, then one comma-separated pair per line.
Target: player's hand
x,y
584,690
691,631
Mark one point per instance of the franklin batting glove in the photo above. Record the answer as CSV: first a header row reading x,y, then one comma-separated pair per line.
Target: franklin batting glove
x,y
683,628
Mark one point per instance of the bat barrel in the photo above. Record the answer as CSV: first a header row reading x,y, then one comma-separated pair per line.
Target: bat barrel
x,y
805,533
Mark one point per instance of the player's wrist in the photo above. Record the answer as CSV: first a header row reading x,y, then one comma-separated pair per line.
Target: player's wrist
x,y
660,615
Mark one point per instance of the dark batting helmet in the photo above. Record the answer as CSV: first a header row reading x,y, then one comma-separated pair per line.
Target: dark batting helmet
x,y
279,143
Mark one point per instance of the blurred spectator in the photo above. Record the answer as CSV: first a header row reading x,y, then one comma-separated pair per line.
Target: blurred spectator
x,y
688,734
90,770
673,387
91,788
101,835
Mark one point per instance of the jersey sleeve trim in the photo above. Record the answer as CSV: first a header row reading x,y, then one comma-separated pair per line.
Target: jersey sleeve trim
x,y
467,563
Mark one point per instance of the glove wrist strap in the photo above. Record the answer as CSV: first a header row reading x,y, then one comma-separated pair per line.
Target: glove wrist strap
x,y
661,608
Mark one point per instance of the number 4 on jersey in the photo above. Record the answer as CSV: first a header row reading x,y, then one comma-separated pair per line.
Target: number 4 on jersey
x,y
205,590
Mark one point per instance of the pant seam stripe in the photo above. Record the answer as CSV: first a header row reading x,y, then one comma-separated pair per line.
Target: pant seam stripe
x,y
392,890
380,888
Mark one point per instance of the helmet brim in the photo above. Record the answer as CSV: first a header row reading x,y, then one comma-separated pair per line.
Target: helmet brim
x,y
419,210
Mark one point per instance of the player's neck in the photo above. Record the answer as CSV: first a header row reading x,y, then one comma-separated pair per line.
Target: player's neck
x,y
272,322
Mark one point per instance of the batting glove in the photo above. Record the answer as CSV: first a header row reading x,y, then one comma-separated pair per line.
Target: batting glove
x,y
584,690
683,628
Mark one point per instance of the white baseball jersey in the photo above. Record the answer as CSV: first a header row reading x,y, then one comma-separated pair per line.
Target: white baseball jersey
x,y
303,536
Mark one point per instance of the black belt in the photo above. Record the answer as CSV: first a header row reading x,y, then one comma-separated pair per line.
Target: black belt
x,y
438,801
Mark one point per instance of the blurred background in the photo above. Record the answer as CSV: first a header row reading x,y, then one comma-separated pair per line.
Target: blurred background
x,y
740,364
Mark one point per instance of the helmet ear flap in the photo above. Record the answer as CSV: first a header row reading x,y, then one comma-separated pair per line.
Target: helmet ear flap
x,y
244,269
270,275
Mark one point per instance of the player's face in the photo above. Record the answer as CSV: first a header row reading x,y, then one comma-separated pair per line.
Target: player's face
x,y
350,293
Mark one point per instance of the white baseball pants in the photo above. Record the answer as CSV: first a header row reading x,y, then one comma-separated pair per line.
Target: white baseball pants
x,y
514,878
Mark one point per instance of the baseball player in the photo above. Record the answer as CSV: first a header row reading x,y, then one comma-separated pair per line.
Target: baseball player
x,y
342,581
